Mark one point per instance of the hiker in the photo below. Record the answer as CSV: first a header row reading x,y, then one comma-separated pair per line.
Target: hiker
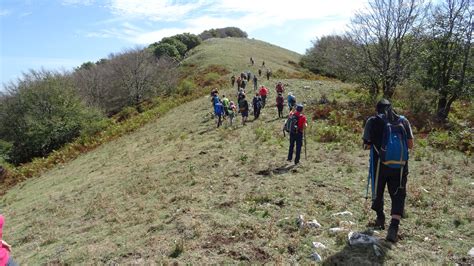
x,y
243,75
291,101
249,76
279,88
241,94
251,61
232,112
5,248
257,105
296,125
280,101
255,81
244,109
219,113
388,136
226,105
259,72
239,82
269,73
243,84
263,63
232,80
263,93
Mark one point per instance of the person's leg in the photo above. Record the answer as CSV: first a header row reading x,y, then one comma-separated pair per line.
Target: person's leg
x,y
292,146
299,144
378,202
397,190
11,262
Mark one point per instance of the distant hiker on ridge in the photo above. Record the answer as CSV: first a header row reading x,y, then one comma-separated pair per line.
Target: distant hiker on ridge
x,y
269,73
296,125
239,83
263,63
232,80
251,61
259,72
249,76
388,136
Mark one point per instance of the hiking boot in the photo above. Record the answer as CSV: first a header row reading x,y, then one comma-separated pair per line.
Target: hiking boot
x,y
380,223
392,234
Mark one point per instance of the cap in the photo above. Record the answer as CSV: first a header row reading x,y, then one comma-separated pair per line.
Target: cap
x,y
299,107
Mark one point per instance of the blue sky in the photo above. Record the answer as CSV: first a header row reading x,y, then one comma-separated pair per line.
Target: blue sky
x,y
62,34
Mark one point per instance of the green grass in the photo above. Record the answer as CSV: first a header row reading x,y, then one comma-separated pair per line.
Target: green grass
x,y
180,190
235,53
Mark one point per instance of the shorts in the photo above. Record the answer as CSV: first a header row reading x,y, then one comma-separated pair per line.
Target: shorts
x,y
245,114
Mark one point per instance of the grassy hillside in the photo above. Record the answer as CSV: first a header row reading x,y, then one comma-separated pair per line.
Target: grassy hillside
x,y
180,190
235,53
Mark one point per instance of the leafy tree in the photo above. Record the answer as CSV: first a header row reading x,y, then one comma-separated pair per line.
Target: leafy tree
x,y
40,114
223,33
162,49
180,46
190,40
386,34
447,55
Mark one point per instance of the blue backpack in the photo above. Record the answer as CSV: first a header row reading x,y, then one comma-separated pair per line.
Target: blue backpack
x,y
394,149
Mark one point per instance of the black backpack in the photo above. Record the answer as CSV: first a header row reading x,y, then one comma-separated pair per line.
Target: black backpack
x,y
291,125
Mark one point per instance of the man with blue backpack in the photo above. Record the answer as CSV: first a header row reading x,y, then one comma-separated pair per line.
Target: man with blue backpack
x,y
388,136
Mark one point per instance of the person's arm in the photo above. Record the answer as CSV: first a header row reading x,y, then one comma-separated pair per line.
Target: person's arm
x,y
366,137
5,244
410,137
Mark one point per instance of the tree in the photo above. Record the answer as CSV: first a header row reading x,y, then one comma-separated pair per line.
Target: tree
x,y
447,60
387,34
167,49
180,46
332,56
40,114
190,40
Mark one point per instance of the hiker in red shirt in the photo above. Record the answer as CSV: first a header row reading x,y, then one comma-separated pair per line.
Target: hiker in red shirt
x,y
263,94
296,132
280,88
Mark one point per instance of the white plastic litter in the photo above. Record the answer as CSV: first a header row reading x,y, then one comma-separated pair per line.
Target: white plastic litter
x,y
313,224
335,230
471,253
361,239
377,250
342,213
346,224
300,221
319,245
315,256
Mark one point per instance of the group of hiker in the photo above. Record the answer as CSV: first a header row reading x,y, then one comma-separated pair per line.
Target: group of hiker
x,y
387,135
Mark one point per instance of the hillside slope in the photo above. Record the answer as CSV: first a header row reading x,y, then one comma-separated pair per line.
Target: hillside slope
x,y
235,53
181,190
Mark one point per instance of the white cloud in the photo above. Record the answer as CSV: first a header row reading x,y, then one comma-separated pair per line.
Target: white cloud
x,y
157,10
320,17
4,12
77,2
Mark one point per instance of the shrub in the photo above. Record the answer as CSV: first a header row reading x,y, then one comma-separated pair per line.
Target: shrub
x,y
186,87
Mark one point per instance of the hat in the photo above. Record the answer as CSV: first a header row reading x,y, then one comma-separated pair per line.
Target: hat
x,y
299,107
290,93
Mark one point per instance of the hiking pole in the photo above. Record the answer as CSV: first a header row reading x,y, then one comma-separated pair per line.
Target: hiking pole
x,y
304,139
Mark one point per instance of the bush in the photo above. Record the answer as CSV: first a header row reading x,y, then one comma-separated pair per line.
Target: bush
x,y
167,49
186,87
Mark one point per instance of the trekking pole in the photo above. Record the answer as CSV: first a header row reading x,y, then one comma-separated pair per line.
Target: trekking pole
x,y
304,139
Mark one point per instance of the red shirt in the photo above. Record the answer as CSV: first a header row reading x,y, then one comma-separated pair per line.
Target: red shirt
x,y
301,121
263,91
